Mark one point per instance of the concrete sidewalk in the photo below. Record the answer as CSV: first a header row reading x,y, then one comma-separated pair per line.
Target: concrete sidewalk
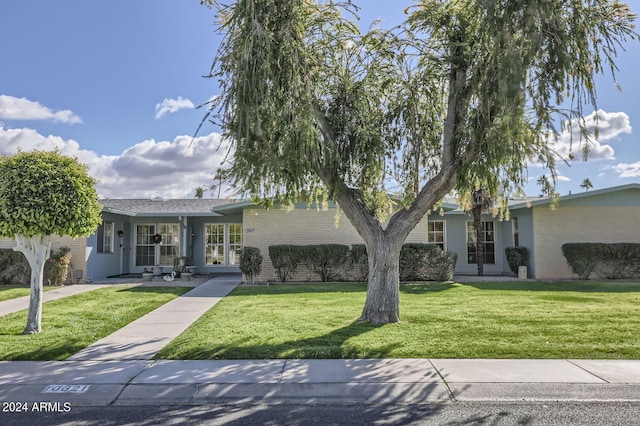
x,y
406,381
143,338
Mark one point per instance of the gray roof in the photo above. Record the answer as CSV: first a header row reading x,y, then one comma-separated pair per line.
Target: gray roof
x,y
164,207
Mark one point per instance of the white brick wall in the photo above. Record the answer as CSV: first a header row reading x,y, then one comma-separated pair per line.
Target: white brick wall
x,y
263,228
77,247
553,228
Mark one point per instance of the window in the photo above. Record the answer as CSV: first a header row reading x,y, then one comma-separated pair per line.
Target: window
x,y
148,253
170,247
214,244
489,243
105,237
145,248
223,243
514,227
235,243
435,233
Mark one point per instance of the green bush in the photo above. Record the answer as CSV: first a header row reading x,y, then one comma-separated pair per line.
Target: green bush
x,y
250,263
285,259
610,261
14,268
516,257
426,262
56,268
327,260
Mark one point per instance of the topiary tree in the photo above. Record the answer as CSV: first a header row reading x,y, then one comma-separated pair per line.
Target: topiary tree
x,y
44,194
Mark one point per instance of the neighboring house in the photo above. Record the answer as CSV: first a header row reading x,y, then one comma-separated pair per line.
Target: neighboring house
x,y
211,232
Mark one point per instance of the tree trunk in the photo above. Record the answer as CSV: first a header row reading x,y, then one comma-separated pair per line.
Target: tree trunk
x,y
383,290
477,226
37,250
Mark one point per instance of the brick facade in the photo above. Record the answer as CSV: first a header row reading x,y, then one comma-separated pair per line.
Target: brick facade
x,y
77,246
596,224
303,226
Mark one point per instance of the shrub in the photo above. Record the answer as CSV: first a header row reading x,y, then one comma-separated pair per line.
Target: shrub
x,y
326,260
285,259
14,268
582,257
611,261
426,262
516,257
56,268
250,263
360,262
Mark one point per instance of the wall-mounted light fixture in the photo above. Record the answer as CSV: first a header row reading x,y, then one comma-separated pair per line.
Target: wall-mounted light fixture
x,y
120,233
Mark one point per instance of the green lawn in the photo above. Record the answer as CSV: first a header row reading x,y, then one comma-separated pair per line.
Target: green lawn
x,y
13,291
597,320
74,322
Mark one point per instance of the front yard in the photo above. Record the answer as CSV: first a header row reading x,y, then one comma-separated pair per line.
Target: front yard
x,y
72,323
584,320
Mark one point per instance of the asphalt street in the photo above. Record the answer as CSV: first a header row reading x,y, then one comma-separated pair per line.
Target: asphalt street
x,y
460,413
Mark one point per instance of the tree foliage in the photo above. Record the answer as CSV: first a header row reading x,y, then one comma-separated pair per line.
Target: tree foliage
x,y
46,193
464,95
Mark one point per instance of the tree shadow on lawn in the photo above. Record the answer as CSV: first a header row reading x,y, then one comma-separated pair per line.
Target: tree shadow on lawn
x,y
299,288
563,286
331,345
51,351
302,288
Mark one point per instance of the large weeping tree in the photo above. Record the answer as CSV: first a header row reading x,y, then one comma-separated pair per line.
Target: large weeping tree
x,y
43,194
387,123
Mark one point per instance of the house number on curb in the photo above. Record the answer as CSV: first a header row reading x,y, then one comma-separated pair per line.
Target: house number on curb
x,y
66,389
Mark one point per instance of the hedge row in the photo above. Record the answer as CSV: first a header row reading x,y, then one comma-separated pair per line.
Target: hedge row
x,y
607,261
336,262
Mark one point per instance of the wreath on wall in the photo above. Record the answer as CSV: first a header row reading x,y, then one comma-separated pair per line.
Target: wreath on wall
x,y
156,238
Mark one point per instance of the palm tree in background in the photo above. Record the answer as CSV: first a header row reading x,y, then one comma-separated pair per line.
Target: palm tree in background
x,y
586,185
222,175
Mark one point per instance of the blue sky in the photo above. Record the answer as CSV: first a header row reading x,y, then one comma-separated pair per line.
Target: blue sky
x,y
116,84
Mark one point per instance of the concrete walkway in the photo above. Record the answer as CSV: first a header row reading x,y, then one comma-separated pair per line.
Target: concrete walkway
x,y
143,338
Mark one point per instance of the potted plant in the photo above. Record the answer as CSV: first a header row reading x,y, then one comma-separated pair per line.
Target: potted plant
x,y
190,266
186,275
147,275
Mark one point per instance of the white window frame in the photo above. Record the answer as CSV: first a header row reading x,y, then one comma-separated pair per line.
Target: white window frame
x,y
105,237
145,240
228,244
431,234
233,252
213,255
471,238
515,233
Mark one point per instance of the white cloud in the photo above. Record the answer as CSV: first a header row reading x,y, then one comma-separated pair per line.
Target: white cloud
x,y
609,125
12,108
172,105
148,169
627,170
